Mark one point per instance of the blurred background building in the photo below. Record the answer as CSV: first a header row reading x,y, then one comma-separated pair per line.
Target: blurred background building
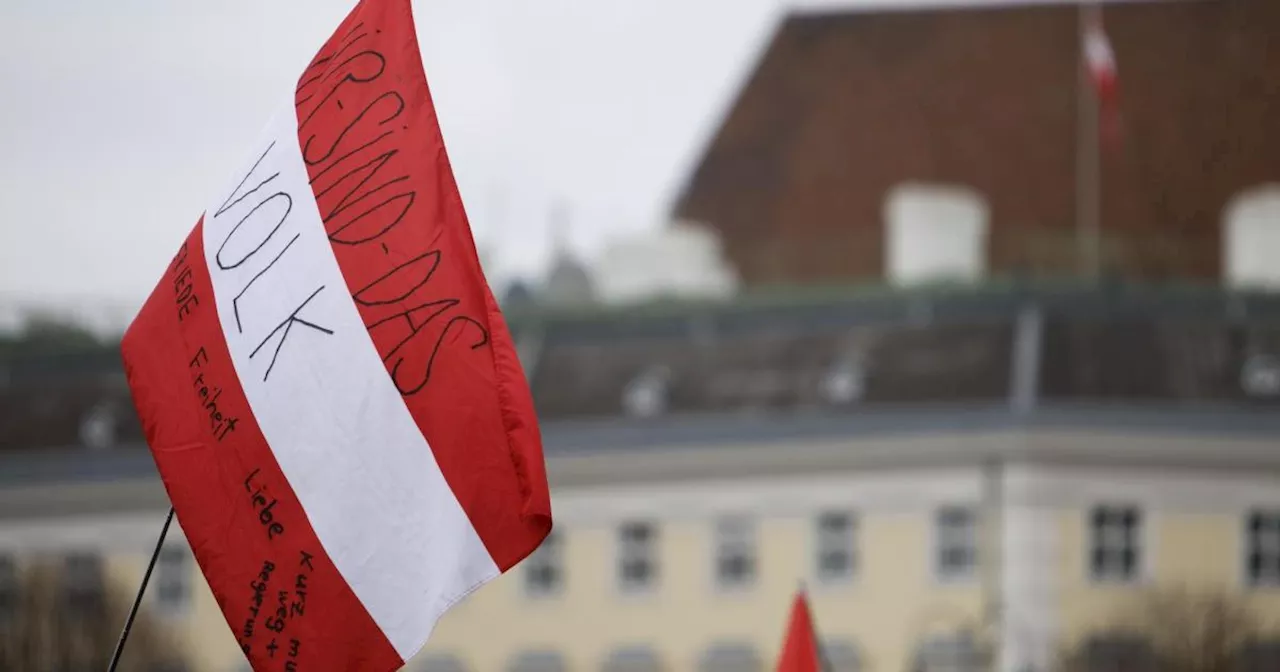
x,y
921,337
959,479
972,128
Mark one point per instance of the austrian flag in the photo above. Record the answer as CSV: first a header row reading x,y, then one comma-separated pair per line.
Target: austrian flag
x,y
326,383
1100,63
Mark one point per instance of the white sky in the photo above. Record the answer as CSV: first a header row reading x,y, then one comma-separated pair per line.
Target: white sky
x,y
600,105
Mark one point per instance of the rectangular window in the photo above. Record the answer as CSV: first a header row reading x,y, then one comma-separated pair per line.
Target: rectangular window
x,y
1117,652
637,562
82,580
735,553
957,542
544,569
173,579
836,557
8,587
1263,548
957,652
1260,655
1115,549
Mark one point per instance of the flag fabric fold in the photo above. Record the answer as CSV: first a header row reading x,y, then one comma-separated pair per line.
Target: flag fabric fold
x,y
326,383
800,648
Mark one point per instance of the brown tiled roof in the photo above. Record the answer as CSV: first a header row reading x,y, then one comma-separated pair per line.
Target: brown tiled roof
x,y
843,107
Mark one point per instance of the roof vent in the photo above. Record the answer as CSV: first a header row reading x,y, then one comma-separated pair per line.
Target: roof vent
x,y
98,427
1251,236
1260,376
646,395
935,233
844,382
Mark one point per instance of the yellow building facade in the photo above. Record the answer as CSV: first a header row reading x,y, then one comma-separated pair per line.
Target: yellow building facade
x,y
933,544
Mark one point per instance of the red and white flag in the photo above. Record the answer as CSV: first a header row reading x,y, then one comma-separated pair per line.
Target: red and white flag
x,y
325,380
800,649
1100,63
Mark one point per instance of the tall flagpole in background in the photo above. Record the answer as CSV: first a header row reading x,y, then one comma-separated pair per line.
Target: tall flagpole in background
x,y
1088,153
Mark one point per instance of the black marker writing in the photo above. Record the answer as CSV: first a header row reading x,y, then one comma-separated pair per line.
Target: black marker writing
x,y
276,623
235,303
286,325
220,423
299,606
364,189
262,211
264,508
183,288
481,338
291,665
282,204
310,76
259,587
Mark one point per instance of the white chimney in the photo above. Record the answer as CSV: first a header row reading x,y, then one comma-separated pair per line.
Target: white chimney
x,y
935,233
1251,239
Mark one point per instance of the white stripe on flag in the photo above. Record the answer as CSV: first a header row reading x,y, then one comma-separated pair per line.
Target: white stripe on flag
x,y
339,430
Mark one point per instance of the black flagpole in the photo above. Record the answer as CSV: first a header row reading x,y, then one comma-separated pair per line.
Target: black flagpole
x,y
128,624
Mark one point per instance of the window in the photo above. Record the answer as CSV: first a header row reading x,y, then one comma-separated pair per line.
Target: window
x,y
1260,656
538,661
8,587
730,657
173,579
956,652
1263,549
1119,654
441,662
637,567
82,582
835,545
957,542
544,572
735,553
1115,533
632,659
840,656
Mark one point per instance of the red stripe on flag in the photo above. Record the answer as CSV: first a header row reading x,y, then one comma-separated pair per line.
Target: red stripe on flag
x,y
284,599
386,194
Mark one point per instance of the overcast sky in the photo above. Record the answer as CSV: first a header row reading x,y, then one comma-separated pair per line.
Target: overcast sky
x,y
601,105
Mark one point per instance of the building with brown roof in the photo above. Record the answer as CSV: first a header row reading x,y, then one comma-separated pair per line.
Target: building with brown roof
x,y
845,106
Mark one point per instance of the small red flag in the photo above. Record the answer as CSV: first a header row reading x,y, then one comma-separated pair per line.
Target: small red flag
x,y
1100,61
800,650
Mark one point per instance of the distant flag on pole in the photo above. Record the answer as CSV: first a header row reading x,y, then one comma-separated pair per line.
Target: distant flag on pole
x,y
1100,62
328,388
800,649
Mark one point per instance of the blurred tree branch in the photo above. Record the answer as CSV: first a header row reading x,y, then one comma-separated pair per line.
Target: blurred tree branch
x,y
50,627
1170,630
